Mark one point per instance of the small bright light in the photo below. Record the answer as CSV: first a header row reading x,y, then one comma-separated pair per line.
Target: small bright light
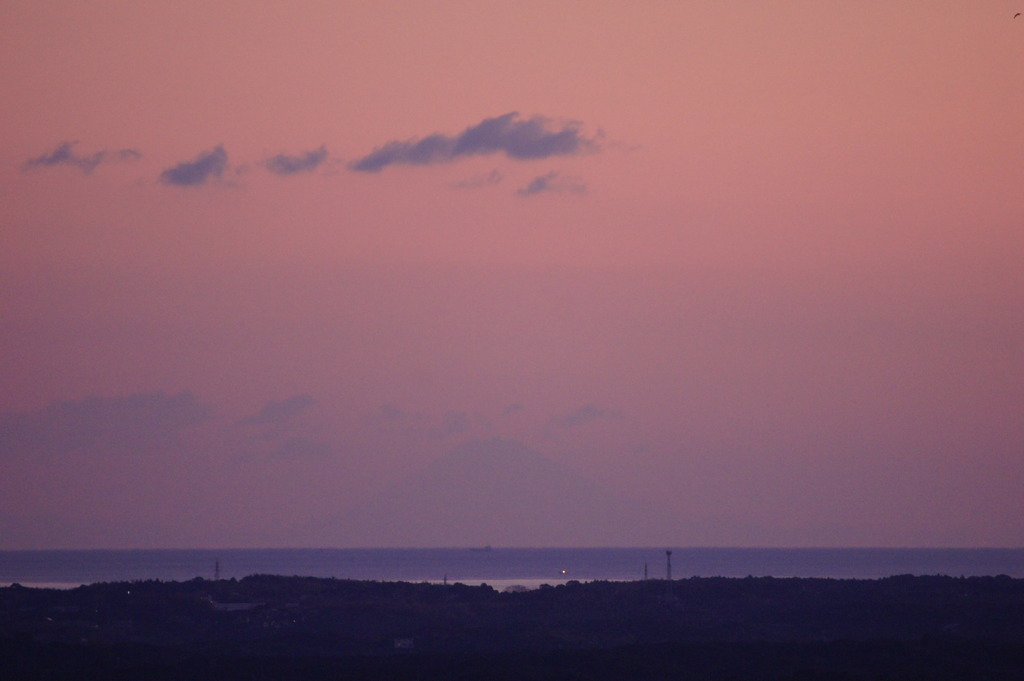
x,y
563,572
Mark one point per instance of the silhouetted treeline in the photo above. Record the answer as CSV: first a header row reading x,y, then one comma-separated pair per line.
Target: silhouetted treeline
x,y
265,627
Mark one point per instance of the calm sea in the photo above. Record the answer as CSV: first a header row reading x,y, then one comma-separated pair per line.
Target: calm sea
x,y
498,566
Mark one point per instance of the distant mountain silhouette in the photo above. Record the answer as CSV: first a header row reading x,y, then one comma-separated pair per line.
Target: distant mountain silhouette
x,y
496,492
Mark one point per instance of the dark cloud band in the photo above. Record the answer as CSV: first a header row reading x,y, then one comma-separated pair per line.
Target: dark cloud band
x,y
531,138
64,154
284,164
193,173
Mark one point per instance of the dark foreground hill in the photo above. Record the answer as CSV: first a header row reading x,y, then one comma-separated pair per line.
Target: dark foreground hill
x,y
265,627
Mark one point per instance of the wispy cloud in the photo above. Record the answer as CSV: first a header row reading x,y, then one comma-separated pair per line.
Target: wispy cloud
x,y
281,430
552,182
454,423
480,180
530,138
294,448
588,413
389,418
193,173
392,420
285,164
64,154
280,411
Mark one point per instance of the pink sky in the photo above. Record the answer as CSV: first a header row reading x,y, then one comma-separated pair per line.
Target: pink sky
x,y
757,268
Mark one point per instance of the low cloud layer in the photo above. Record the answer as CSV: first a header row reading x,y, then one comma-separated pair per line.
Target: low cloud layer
x,y
552,183
97,425
280,411
64,154
530,138
194,173
588,413
390,419
281,429
296,448
285,164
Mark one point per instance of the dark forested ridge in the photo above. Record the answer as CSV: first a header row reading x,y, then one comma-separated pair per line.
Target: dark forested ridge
x,y
265,627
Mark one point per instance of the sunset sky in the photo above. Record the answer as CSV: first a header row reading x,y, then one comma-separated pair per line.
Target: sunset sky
x,y
285,273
